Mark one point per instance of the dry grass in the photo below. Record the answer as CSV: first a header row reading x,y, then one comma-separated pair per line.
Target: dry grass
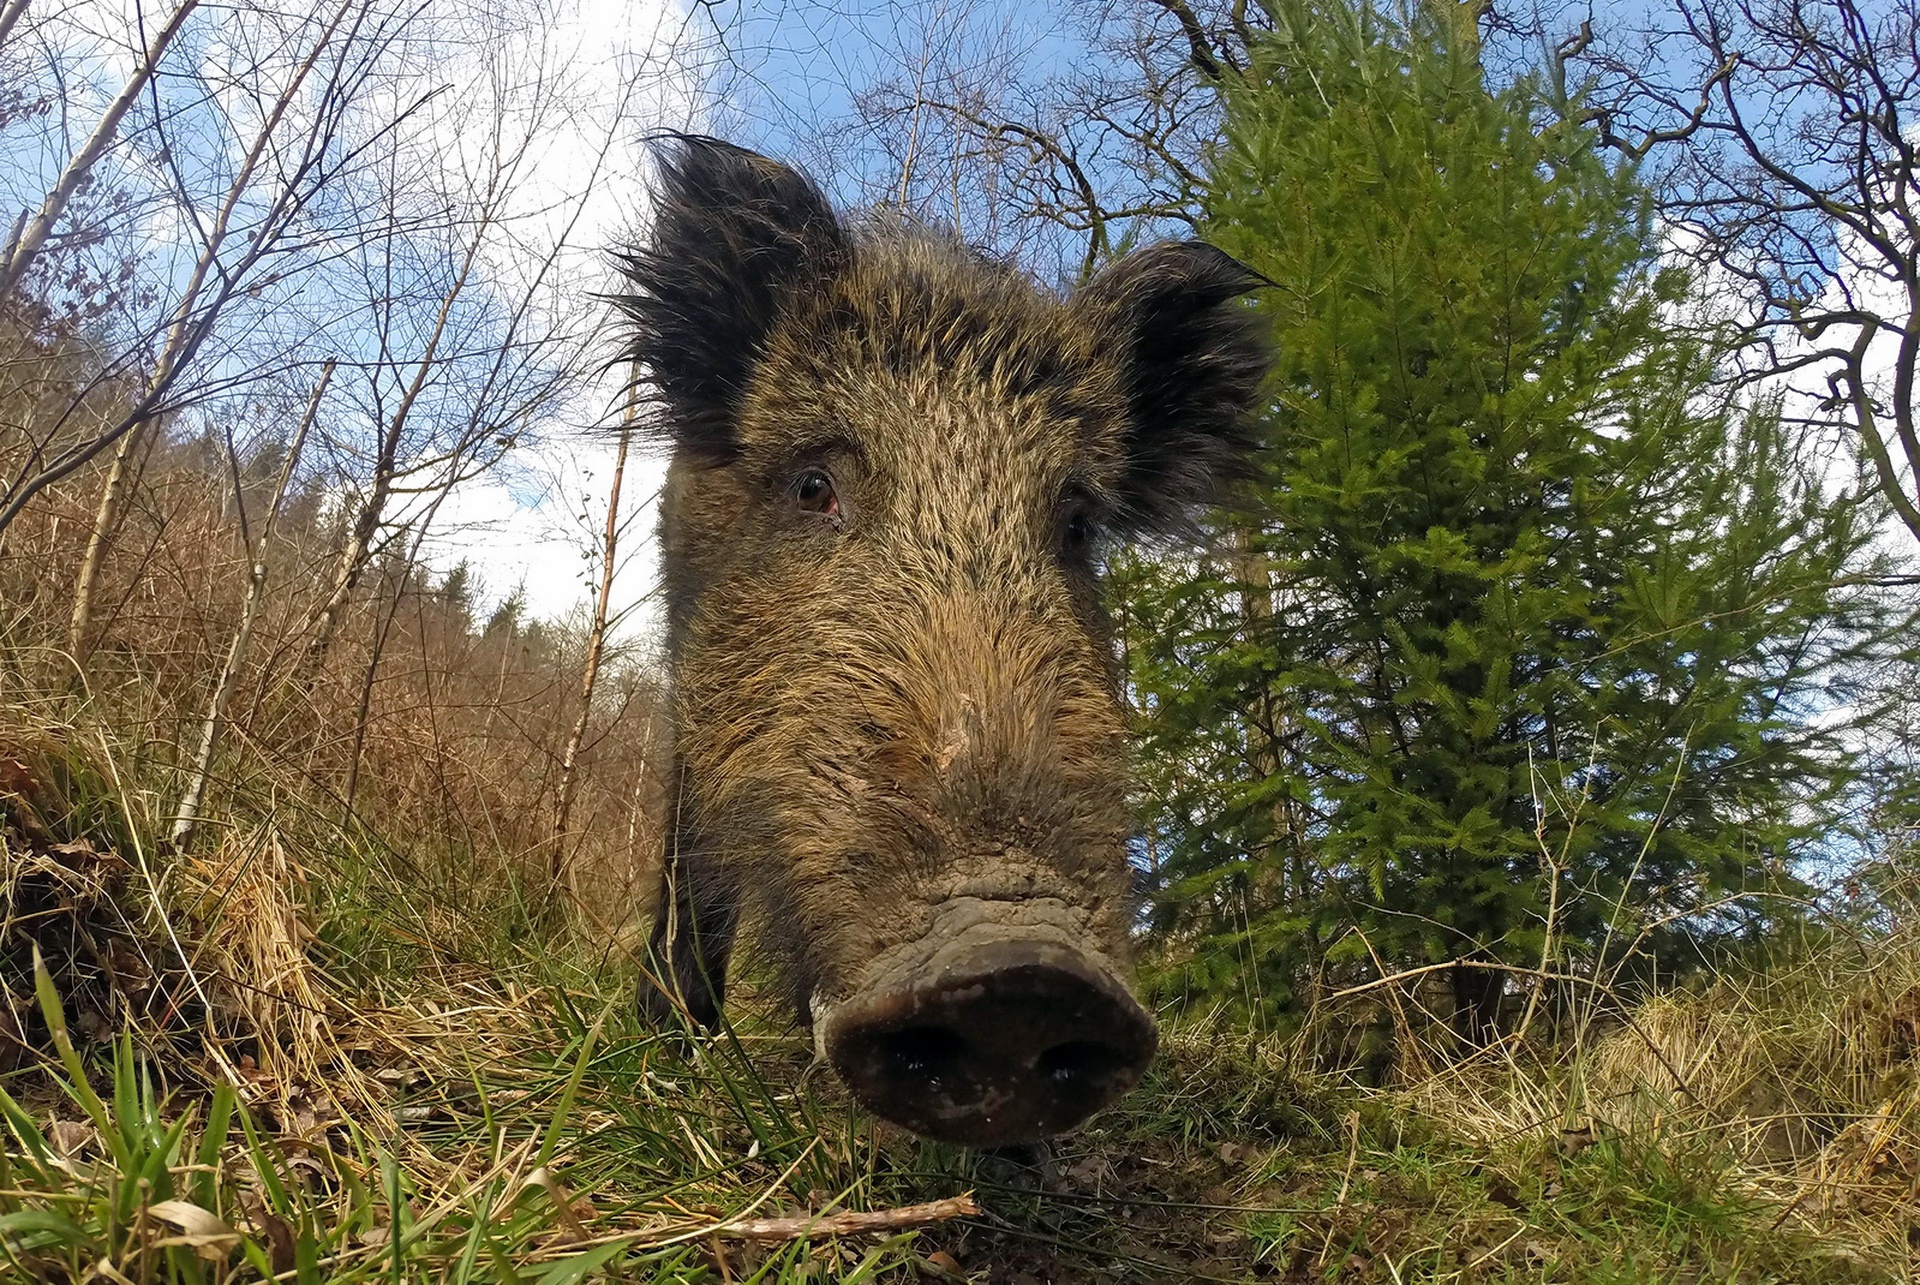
x,y
1794,1086
339,1042
369,1083
421,718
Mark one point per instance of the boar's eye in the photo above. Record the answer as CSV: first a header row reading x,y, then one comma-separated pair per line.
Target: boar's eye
x,y
813,493
1076,532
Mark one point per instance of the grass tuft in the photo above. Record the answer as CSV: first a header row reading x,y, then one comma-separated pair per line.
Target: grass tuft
x,y
287,1057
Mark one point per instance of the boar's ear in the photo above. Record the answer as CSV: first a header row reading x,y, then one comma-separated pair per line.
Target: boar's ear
x,y
733,235
1194,357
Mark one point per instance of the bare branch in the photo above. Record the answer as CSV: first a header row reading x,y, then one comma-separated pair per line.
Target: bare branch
x,y
1201,52
33,237
1779,133
849,1222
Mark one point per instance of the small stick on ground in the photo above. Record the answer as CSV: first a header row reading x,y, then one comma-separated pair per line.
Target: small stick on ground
x,y
848,1222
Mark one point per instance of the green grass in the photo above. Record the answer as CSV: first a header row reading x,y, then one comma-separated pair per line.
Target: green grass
x,y
592,1153
568,1148
465,1095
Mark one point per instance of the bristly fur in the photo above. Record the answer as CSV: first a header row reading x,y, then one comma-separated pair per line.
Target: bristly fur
x,y
733,235
913,694
738,241
1195,361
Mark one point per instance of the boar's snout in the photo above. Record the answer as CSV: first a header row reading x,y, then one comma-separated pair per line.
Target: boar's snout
x,y
993,1042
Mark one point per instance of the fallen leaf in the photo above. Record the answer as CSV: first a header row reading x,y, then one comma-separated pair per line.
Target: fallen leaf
x,y
201,1229
1574,1141
569,1209
194,1220
279,1235
14,776
1092,1171
105,1270
68,1137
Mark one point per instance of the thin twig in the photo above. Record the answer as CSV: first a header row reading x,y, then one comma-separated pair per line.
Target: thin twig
x,y
1447,964
849,1222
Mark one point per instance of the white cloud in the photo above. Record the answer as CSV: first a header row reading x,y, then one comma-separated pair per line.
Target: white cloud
x,y
539,524
538,521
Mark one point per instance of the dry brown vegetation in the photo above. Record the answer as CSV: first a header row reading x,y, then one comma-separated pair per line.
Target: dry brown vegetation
x,y
370,1018
445,728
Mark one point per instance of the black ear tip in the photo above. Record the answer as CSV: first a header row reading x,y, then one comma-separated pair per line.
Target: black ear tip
x,y
687,163
1255,279
1196,271
1213,258
1210,263
674,144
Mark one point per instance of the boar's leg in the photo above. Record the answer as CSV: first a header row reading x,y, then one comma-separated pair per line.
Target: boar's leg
x,y
693,926
692,939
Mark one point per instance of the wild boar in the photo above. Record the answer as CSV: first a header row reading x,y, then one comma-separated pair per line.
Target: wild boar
x,y
899,743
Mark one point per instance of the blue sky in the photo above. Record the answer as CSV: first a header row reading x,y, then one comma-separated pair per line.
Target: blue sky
x,y
799,63
782,78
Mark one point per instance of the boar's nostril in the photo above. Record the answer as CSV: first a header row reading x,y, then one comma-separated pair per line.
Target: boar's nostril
x,y
1004,1042
1078,1060
929,1051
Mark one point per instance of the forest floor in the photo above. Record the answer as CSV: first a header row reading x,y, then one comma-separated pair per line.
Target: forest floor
x,y
278,1059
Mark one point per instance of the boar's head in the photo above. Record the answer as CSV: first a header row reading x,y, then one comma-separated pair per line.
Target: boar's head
x,y
898,735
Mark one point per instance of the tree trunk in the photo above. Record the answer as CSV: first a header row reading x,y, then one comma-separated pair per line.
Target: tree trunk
x,y
106,521
348,566
33,236
364,712
596,648
1477,993
187,815
10,15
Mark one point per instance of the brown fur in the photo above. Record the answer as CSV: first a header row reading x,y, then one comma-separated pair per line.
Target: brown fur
x,y
917,699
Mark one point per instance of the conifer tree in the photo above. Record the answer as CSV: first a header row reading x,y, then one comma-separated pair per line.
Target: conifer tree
x,y
1526,620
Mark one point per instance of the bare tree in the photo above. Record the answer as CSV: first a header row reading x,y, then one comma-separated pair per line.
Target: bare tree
x,y
25,246
470,340
211,236
1781,135
187,814
253,248
603,621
